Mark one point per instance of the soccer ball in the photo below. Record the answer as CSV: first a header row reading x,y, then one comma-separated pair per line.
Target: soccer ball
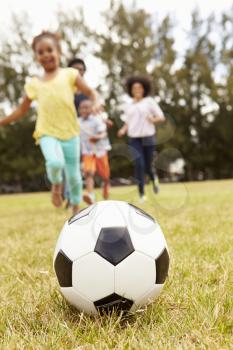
x,y
111,255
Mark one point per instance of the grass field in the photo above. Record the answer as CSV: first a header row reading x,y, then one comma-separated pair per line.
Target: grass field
x,y
194,311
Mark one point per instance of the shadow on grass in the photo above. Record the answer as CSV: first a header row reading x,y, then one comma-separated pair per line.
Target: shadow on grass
x,y
115,318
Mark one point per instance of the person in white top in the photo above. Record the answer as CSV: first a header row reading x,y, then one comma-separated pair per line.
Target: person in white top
x,y
141,116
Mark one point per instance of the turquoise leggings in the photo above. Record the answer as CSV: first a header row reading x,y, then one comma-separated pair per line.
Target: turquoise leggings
x,y
61,155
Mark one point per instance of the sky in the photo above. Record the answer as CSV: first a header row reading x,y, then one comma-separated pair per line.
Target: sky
x,y
42,12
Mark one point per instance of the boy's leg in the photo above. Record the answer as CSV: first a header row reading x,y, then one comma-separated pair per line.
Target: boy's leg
x,y
89,179
54,161
89,168
71,151
103,170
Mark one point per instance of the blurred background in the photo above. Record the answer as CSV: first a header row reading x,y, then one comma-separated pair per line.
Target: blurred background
x,y
187,51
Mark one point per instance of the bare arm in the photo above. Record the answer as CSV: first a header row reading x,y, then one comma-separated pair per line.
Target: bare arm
x,y
123,130
91,93
98,137
18,113
157,119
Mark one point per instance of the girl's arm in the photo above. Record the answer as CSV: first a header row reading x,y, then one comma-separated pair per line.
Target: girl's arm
x,y
156,115
18,113
123,130
108,123
156,119
91,93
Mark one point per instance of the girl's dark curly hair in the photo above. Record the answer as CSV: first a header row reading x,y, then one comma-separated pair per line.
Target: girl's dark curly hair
x,y
143,80
46,34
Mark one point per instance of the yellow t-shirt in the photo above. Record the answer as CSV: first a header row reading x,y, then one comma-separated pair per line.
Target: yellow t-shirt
x,y
56,110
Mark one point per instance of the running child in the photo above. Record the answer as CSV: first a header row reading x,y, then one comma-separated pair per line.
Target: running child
x,y
94,150
142,114
57,129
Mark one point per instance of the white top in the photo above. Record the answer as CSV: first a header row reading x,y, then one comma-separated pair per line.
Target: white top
x,y
92,126
136,117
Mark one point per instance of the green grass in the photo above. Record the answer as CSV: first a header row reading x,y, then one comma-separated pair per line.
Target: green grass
x,y
194,311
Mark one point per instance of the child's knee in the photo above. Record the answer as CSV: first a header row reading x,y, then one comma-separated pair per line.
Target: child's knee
x,y
75,183
88,174
55,164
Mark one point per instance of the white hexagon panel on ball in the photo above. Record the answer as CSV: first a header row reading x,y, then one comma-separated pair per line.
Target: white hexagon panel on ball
x,y
146,234
93,276
134,276
77,237
148,297
79,301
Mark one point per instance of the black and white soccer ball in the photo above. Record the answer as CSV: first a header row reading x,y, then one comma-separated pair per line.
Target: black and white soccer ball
x,y
111,255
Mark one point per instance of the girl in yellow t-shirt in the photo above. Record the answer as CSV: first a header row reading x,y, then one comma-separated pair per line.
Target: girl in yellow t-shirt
x,y
57,129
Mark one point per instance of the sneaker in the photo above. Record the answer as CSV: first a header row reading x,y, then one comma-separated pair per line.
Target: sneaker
x,y
142,199
155,185
89,198
106,191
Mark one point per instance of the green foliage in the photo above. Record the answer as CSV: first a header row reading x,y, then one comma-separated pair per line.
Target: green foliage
x,y
193,87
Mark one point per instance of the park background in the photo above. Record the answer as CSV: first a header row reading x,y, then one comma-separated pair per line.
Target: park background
x,y
188,53
191,71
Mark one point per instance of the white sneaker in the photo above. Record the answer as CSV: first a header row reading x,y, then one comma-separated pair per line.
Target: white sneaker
x,y
89,198
142,199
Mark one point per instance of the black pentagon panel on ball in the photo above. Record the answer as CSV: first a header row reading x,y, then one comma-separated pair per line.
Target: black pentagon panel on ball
x,y
162,266
63,269
114,244
82,213
113,302
142,212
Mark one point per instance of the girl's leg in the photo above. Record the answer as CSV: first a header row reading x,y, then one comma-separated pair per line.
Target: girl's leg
x,y
148,151
71,151
54,162
139,163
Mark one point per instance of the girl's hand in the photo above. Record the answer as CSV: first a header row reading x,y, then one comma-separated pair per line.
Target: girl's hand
x,y
109,123
156,119
121,132
151,118
18,113
97,108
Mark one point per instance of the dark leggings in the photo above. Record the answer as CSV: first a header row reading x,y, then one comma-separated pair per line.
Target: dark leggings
x,y
142,150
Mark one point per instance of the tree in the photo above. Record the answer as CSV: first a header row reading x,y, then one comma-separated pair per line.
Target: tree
x,y
194,95
20,159
222,126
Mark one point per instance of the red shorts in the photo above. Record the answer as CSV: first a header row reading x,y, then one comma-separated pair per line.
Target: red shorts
x,y
99,165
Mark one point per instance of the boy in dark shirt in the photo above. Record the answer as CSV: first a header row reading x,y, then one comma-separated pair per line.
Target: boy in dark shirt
x,y
80,65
